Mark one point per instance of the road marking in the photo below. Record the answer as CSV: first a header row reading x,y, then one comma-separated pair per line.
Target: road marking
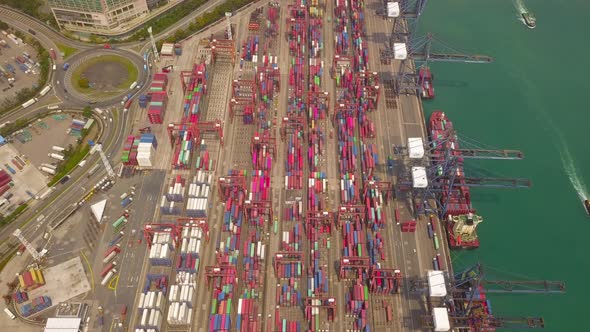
x,y
90,268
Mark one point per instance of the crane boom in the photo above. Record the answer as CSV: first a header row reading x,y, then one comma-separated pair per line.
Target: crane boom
x,y
105,161
435,57
19,234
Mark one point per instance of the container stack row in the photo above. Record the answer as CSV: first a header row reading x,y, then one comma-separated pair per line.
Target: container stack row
x,y
31,279
293,210
36,305
157,98
146,150
176,189
294,162
183,149
157,107
194,92
160,253
20,297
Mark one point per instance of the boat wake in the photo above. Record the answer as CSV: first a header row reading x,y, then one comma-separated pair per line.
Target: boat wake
x,y
571,170
520,7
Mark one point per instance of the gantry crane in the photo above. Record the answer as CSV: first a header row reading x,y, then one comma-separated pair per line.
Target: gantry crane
x,y
445,175
36,255
405,15
467,308
473,279
421,50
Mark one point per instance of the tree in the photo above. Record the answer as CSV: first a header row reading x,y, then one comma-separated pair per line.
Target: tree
x,y
87,112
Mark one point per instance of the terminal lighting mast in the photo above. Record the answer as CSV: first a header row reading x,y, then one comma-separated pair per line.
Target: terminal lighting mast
x,y
154,48
227,16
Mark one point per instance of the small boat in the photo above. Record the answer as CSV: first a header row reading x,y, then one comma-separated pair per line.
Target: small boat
x,y
587,206
529,20
426,78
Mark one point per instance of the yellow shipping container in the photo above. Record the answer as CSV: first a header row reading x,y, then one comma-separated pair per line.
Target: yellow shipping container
x,y
21,280
40,277
34,275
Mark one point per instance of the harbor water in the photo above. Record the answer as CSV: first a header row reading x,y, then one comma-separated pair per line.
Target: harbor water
x,y
533,98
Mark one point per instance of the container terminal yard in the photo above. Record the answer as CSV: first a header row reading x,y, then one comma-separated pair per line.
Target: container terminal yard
x,y
280,175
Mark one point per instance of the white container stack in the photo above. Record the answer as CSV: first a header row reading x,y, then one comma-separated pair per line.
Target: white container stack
x,y
182,297
146,150
150,310
191,241
176,189
169,207
161,251
198,193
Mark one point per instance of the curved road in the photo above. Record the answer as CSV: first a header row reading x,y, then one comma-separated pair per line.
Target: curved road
x,y
19,19
61,78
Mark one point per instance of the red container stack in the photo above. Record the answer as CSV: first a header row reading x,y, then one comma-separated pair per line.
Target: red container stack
x,y
157,107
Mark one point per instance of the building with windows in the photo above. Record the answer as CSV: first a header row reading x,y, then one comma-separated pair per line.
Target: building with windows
x,y
106,17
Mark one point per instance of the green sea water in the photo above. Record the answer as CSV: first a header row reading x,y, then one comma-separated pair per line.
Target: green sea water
x,y
534,98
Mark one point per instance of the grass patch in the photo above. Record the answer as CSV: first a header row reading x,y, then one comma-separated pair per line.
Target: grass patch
x,y
11,217
79,153
132,74
5,261
66,50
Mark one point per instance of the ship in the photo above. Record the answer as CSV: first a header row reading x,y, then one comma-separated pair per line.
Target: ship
x,y
587,206
460,218
425,76
529,20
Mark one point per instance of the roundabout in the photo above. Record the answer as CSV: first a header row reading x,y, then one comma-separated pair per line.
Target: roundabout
x,y
99,77
104,75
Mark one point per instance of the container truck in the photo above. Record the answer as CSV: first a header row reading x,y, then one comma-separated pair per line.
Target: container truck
x,y
116,239
107,269
126,202
108,277
133,85
45,90
127,105
57,148
48,170
56,156
110,257
29,102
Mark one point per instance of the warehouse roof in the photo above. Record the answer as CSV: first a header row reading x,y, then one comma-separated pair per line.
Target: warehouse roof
x,y
98,209
63,324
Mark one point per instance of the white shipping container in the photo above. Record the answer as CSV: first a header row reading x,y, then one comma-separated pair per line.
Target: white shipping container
x,y
144,317
159,301
152,317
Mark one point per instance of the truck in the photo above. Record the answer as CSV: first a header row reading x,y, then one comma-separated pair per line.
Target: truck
x,y
133,85
116,239
127,105
66,66
116,247
126,201
107,269
29,102
52,54
108,277
110,257
45,90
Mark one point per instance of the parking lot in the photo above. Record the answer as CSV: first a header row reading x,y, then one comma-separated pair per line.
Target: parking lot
x,y
17,70
37,140
26,179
